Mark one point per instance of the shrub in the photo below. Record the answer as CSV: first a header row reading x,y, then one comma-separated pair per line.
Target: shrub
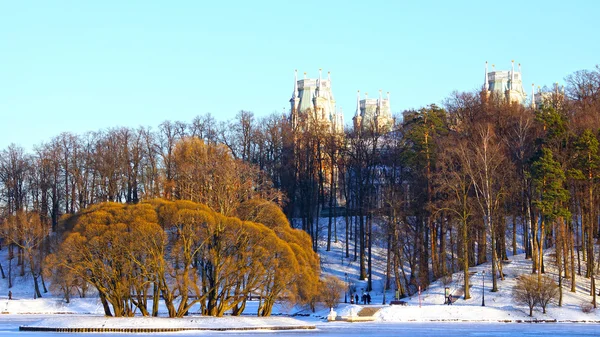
x,y
586,307
529,292
331,290
447,279
525,291
547,292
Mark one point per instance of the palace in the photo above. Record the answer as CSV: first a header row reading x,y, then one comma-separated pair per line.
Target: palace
x,y
553,97
505,83
313,99
373,114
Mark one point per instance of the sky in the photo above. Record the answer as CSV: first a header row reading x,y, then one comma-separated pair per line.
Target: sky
x,y
77,66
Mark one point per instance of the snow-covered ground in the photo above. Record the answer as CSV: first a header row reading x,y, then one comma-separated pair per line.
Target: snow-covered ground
x,y
200,322
499,306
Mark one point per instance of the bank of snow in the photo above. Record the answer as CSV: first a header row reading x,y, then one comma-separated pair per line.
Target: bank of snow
x,y
196,323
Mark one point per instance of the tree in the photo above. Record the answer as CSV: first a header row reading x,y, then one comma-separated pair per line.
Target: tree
x,y
300,285
210,175
526,292
455,182
103,250
586,162
550,195
422,130
25,231
547,292
331,290
486,168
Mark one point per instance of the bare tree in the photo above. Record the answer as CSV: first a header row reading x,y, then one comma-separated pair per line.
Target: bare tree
x,y
526,291
547,292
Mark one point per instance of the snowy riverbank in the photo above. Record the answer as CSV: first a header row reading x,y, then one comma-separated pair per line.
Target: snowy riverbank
x,y
72,323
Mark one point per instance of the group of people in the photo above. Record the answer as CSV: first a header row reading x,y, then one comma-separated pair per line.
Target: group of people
x,y
366,298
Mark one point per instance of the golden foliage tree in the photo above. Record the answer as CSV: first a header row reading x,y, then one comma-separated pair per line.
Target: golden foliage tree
x,y
187,254
208,174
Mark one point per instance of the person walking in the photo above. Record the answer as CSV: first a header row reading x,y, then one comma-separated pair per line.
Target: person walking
x,y
368,298
356,298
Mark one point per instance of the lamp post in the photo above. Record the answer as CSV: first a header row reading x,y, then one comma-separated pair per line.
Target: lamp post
x,y
346,291
483,288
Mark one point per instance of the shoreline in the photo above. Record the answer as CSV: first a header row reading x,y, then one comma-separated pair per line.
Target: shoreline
x,y
165,329
91,323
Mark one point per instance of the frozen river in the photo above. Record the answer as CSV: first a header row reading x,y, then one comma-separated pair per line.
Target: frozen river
x,y
9,326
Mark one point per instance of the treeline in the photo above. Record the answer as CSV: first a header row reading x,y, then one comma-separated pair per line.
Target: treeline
x,y
444,189
219,244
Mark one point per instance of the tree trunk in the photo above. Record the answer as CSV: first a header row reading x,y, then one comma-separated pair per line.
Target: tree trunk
x,y
559,264
494,260
155,299
465,254
105,304
361,226
572,254
514,235
348,224
370,248
43,283
541,252
535,250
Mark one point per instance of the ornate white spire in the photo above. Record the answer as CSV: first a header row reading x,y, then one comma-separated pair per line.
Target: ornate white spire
x,y
532,95
319,84
305,75
357,104
380,102
486,84
388,98
512,74
295,84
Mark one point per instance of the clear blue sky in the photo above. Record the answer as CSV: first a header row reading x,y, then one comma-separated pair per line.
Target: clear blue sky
x,y
87,65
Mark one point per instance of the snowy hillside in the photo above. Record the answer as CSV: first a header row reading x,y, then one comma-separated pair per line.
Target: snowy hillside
x,y
429,306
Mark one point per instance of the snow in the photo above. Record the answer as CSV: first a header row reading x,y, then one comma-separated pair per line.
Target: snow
x,y
499,306
51,306
200,322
